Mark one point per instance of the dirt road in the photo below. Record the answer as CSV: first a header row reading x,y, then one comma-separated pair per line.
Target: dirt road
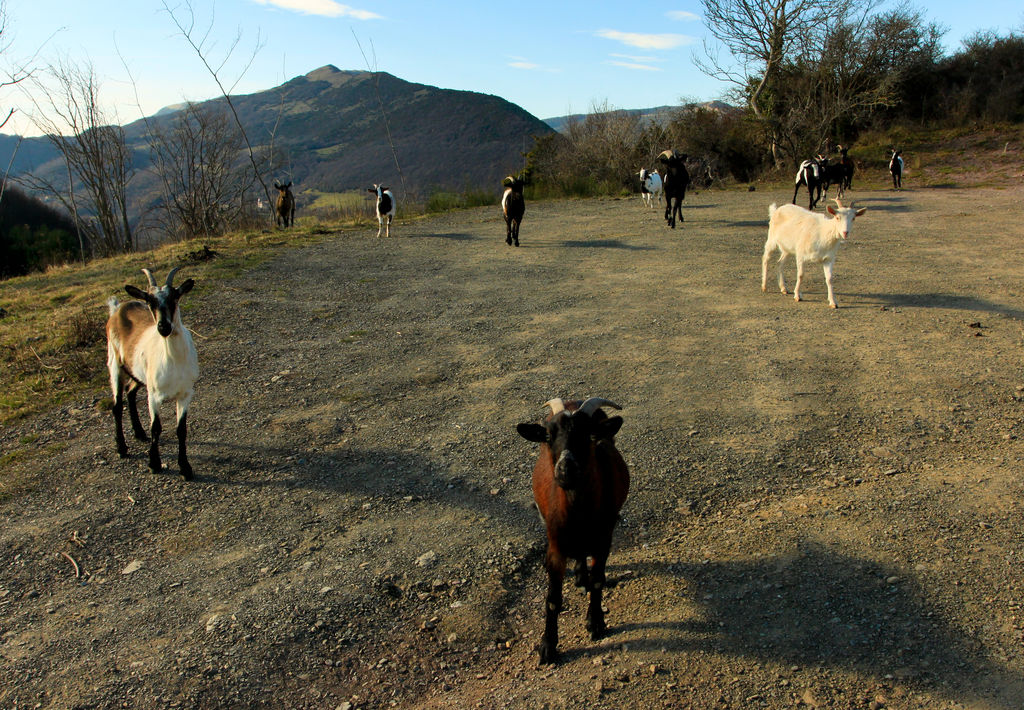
x,y
826,509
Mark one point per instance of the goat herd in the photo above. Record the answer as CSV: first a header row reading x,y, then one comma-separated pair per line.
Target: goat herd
x,y
580,480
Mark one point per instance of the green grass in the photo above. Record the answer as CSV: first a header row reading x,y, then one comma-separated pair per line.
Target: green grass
x,y
444,201
52,341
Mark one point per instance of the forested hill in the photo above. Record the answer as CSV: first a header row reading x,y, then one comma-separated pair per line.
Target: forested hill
x,y
333,129
328,128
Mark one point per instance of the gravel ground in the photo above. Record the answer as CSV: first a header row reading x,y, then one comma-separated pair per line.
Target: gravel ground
x,y
826,505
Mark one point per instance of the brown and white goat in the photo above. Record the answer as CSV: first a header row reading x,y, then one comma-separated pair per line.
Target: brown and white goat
x,y
513,207
148,345
580,482
285,207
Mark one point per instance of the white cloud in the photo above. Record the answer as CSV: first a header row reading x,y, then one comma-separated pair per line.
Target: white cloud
x,y
682,16
524,63
634,65
634,39
634,58
323,8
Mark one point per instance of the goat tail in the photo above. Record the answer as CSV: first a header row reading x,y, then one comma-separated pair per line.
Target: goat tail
x,y
112,304
771,210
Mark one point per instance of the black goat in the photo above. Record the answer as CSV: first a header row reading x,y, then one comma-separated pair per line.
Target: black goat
x,y
832,174
809,174
896,168
848,169
513,207
674,184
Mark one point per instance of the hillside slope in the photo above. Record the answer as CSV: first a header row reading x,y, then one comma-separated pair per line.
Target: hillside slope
x,y
329,127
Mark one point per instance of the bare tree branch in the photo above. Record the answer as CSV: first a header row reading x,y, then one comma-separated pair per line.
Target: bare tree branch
x,y
202,49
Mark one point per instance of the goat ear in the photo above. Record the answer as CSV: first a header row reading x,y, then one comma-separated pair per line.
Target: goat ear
x,y
831,210
136,292
861,211
532,432
185,286
609,428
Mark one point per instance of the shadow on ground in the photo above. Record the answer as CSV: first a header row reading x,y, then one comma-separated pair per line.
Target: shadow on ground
x,y
603,244
947,301
817,607
391,474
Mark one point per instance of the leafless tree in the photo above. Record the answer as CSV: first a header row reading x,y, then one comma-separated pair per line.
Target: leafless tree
x,y
762,36
200,41
598,153
97,157
197,156
14,74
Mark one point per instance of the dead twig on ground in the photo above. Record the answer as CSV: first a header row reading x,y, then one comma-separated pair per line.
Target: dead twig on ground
x,y
48,367
74,564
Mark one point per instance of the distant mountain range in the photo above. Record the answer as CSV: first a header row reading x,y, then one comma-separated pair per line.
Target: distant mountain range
x,y
331,130
659,114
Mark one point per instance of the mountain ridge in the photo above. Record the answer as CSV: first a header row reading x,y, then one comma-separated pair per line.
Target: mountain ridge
x,y
330,126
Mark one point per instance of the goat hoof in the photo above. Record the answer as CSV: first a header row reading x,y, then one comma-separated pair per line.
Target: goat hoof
x,y
186,472
548,653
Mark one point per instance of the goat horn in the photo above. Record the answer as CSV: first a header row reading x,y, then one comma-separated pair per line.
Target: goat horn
x,y
171,276
556,404
595,403
149,275
838,203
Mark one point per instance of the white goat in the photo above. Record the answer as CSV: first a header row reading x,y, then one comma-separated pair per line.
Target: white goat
x,y
650,186
147,344
385,207
810,237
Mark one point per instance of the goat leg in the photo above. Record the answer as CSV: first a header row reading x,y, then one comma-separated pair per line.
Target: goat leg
x,y
184,467
154,447
595,614
553,605
580,572
827,267
118,411
133,413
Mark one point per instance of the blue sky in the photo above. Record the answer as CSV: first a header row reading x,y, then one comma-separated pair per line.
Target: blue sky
x,y
550,58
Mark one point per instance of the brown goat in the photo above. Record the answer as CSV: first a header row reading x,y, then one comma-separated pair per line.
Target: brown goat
x,y
580,482
285,206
